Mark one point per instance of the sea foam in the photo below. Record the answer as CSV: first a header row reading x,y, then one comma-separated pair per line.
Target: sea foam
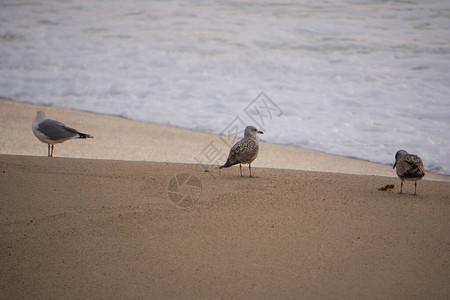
x,y
354,78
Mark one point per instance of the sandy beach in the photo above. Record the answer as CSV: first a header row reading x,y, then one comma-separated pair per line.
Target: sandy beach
x,y
131,214
121,139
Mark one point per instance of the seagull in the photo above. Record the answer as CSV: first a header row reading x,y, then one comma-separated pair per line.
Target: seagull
x,y
409,167
52,132
244,151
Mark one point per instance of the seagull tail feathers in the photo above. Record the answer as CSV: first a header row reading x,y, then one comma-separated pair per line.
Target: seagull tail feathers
x,y
85,136
226,165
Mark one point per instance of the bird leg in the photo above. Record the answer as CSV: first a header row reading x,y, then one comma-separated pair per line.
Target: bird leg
x,y
415,187
48,150
401,187
250,168
52,150
240,169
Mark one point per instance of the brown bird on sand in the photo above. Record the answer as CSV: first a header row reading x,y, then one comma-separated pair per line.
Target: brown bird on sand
x,y
409,167
244,151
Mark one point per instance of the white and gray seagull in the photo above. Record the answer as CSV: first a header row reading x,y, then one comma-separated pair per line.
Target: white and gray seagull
x,y
52,132
244,151
409,167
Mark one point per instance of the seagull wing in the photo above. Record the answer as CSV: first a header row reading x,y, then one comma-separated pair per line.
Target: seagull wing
x,y
414,167
55,130
242,150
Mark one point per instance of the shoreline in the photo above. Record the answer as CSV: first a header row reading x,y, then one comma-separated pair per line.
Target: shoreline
x,y
118,138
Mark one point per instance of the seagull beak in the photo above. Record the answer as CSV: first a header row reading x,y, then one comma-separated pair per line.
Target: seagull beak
x,y
394,165
260,132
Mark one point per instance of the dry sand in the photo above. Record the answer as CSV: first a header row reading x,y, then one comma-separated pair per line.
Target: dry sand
x,y
91,228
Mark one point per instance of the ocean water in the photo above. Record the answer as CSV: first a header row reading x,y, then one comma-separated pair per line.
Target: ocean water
x,y
355,78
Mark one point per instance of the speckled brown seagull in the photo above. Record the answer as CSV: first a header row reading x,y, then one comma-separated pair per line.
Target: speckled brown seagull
x,y
409,167
245,151
52,132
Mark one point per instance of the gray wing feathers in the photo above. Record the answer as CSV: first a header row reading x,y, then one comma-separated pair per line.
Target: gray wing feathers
x,y
55,130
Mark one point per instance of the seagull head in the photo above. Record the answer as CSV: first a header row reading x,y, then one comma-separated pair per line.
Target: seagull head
x,y
398,155
40,116
251,131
